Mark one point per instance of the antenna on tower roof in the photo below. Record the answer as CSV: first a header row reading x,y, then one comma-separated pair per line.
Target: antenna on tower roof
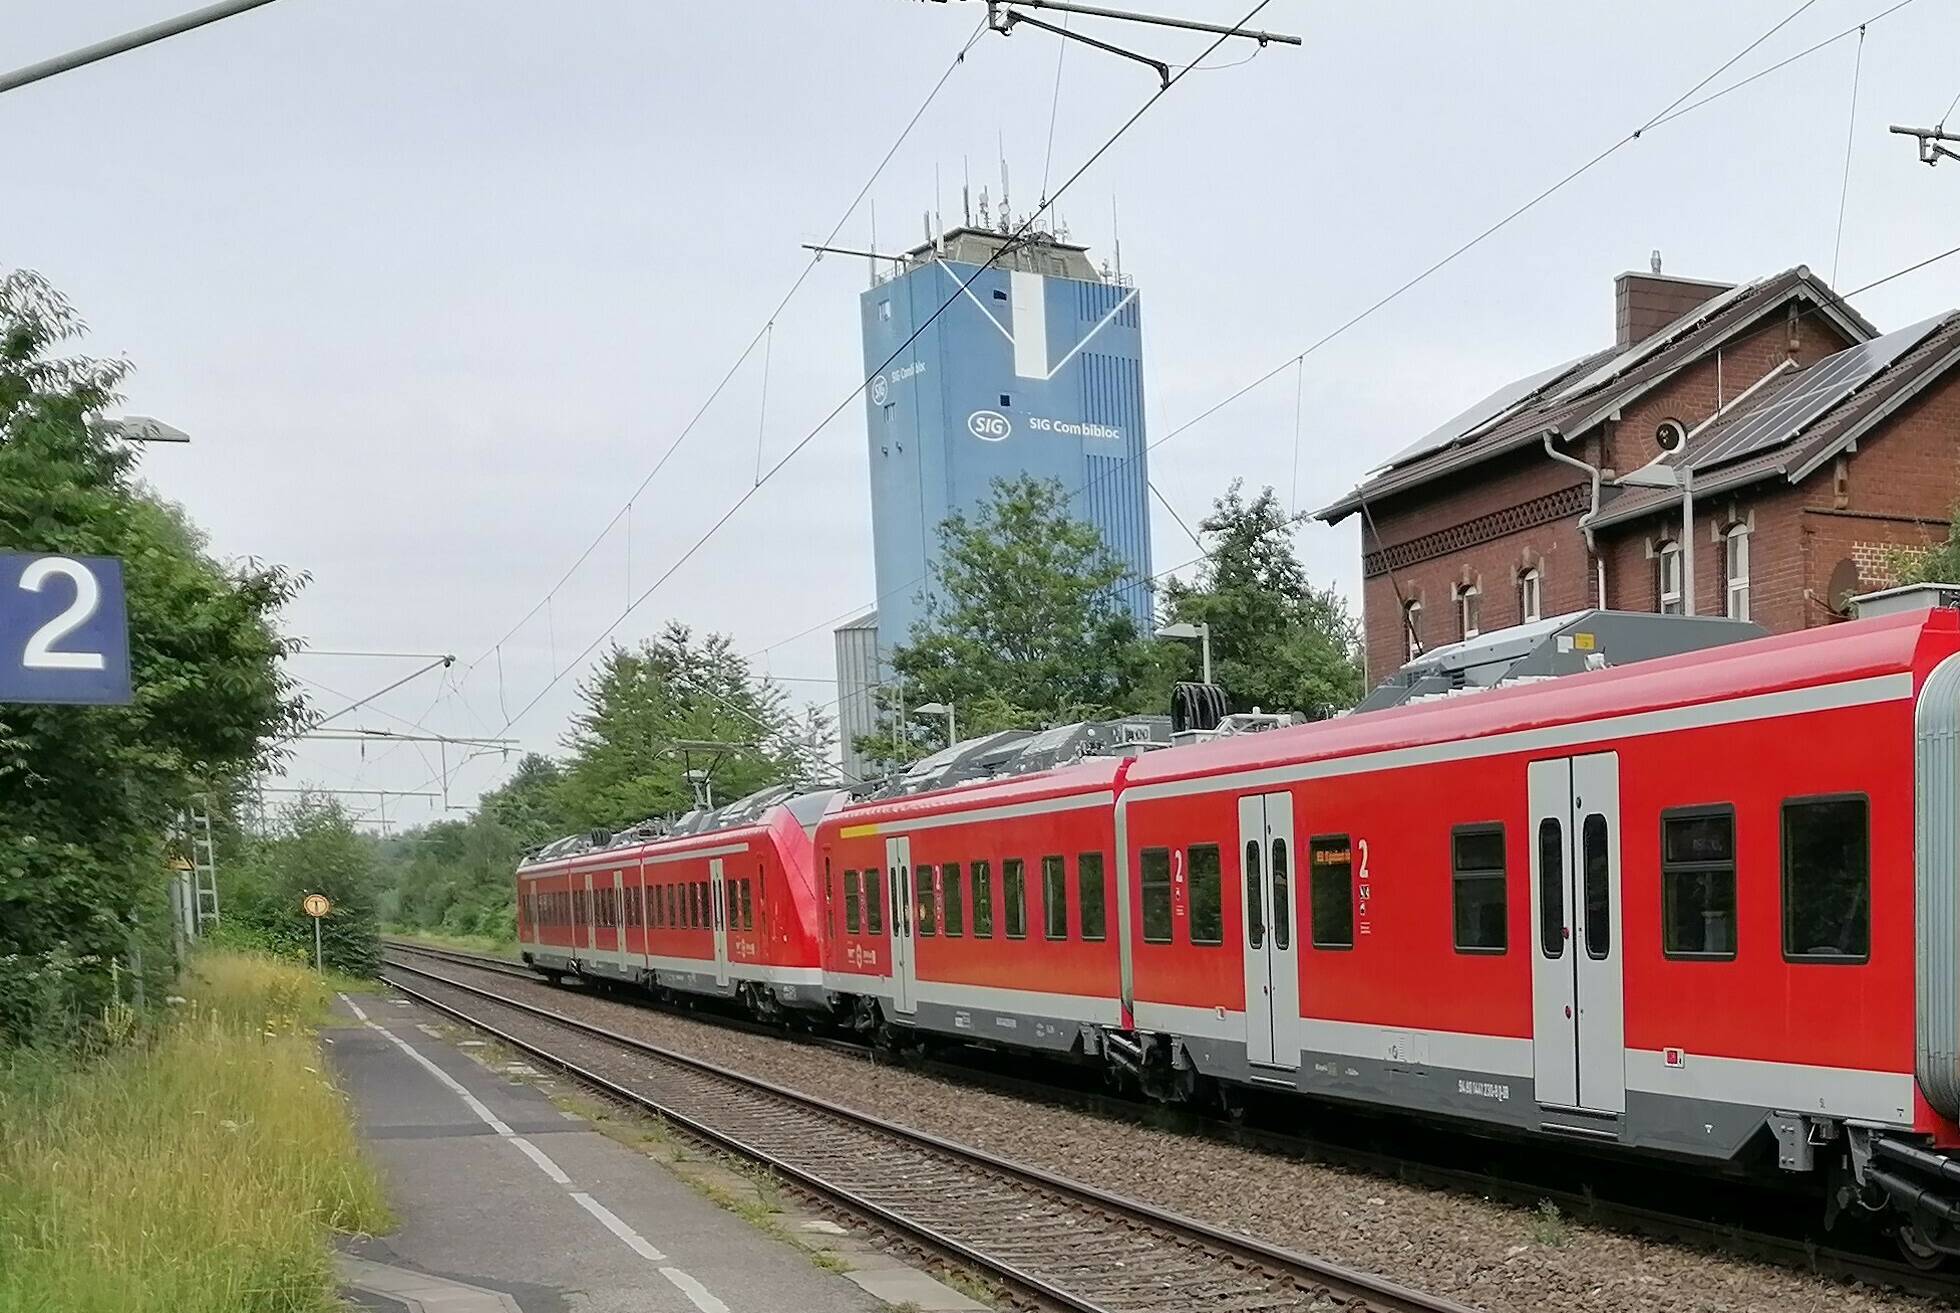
x,y
966,191
1116,238
874,243
985,222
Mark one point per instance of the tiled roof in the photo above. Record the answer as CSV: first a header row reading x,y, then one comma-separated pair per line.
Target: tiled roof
x,y
1805,449
1612,378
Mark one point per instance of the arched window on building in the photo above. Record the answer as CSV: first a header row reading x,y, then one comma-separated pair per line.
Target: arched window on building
x,y
1411,629
1469,610
1735,570
1667,578
1531,598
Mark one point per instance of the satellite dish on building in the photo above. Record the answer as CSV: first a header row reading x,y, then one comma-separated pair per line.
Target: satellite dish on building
x,y
1672,435
1843,586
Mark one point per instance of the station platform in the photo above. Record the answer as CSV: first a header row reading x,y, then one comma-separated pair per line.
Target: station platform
x,y
506,1203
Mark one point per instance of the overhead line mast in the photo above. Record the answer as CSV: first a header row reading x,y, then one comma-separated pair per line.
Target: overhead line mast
x,y
1003,16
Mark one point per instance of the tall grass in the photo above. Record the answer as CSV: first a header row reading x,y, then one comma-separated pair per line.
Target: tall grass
x,y
197,1163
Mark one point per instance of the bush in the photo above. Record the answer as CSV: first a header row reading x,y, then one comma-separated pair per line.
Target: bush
x,y
199,1164
313,849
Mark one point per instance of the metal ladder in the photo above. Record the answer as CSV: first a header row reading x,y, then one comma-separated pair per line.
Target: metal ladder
x,y
204,861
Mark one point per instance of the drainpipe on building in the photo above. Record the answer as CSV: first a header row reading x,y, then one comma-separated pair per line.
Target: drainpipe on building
x,y
1592,471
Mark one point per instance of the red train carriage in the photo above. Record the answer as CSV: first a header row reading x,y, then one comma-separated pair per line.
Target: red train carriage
x,y
984,911
727,908
1669,906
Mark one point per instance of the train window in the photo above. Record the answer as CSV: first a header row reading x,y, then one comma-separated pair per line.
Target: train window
x,y
1204,877
1094,911
1330,867
1477,888
952,908
1827,879
1282,927
851,922
1698,882
829,899
1156,872
1255,925
703,905
1255,922
1054,897
874,902
748,905
922,900
983,901
673,902
1595,869
1014,895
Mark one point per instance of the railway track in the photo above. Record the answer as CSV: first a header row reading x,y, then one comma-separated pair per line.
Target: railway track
x,y
1044,1237
1790,1247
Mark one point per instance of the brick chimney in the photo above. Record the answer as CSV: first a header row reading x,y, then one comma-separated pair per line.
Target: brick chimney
x,y
1645,303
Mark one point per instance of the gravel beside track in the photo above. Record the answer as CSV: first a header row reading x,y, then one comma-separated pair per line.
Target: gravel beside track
x,y
1489,1255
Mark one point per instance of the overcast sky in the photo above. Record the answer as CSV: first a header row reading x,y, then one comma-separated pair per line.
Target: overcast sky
x,y
433,284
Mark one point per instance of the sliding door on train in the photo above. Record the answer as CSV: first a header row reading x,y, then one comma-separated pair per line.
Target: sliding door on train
x,y
1578,1039
1272,965
898,868
718,915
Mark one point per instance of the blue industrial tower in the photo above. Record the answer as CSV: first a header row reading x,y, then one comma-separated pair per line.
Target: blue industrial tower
x,y
1035,368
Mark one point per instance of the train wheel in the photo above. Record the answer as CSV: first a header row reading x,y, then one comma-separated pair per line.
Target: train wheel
x,y
1916,1250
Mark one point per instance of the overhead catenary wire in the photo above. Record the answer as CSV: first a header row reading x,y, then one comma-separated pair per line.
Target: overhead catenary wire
x,y
959,59
1009,244
1850,139
1681,106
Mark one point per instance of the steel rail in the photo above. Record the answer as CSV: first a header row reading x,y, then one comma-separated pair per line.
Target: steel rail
x,y
1319,1274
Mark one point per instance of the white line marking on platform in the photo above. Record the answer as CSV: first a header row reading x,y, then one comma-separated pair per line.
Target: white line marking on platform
x,y
611,1221
542,1159
698,1295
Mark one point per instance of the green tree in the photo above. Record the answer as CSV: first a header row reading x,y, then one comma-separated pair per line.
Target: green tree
x,y
1277,642
1939,564
528,804
1027,628
87,793
313,848
641,703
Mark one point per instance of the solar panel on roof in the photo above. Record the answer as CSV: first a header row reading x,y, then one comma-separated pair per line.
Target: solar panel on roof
x,y
1640,351
1794,406
1486,410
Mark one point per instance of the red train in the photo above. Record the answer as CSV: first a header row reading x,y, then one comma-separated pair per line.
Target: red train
x,y
1706,905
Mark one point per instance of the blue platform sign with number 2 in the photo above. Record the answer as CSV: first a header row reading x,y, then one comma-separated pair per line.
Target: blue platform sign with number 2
x,y
64,629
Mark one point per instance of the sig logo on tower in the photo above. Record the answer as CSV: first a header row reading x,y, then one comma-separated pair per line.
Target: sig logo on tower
x,y
989,425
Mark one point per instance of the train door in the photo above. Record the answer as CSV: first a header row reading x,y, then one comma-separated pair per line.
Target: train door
x,y
584,939
718,914
1272,968
898,869
1577,995
613,939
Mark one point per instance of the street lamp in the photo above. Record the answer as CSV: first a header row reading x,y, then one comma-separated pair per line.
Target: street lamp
x,y
1656,475
1201,632
141,428
940,709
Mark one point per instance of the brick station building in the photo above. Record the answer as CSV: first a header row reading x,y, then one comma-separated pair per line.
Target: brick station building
x,y
1815,447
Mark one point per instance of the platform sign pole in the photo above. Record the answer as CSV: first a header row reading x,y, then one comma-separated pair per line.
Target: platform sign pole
x,y
316,906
